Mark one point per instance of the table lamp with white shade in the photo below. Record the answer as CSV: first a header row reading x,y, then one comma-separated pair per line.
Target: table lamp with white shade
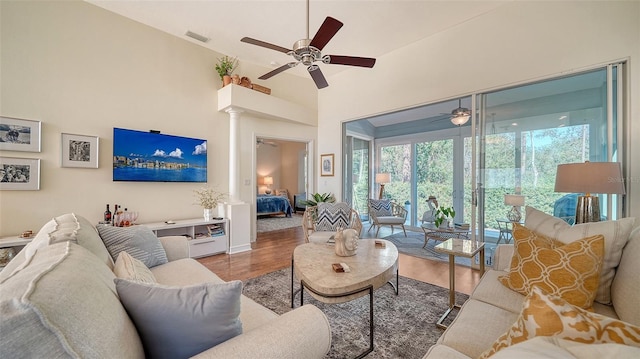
x,y
382,179
587,178
268,180
516,201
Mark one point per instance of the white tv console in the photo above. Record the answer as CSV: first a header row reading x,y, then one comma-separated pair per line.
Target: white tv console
x,y
201,244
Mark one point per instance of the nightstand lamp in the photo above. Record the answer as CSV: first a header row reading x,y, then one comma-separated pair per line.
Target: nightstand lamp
x,y
516,201
268,180
587,178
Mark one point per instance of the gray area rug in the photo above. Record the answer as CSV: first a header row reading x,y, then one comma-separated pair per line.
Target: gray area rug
x,y
404,324
274,223
413,242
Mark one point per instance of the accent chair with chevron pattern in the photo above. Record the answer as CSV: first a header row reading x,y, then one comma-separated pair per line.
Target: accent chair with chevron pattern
x,y
383,212
321,222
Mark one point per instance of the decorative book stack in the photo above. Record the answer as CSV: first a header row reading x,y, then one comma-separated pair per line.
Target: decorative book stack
x,y
215,230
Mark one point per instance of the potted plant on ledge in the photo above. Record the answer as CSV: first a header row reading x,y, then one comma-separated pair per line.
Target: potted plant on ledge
x,y
208,198
225,67
443,216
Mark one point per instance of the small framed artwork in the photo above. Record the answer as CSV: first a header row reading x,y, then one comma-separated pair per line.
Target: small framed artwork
x,y
326,163
19,135
79,151
19,174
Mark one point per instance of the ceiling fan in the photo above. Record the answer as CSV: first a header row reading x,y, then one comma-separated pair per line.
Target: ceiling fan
x,y
307,51
261,141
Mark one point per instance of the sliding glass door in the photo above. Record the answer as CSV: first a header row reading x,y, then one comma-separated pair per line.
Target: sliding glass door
x,y
522,134
529,130
357,160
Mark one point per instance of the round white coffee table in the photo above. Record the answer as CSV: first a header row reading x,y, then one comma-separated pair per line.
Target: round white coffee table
x,y
372,267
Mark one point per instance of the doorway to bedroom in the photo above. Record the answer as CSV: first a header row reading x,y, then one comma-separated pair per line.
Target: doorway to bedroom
x,y
282,182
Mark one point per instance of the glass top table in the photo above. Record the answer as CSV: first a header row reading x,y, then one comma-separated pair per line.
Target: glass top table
x,y
441,234
458,247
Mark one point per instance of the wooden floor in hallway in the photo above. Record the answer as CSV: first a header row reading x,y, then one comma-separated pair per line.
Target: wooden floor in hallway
x,y
273,250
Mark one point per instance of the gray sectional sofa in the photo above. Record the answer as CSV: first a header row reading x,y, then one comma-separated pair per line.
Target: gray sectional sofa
x,y
58,299
493,308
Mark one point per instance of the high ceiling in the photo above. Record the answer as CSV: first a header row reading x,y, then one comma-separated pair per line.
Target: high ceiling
x,y
371,28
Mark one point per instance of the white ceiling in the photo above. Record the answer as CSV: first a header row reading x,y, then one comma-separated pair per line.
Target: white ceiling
x,y
371,28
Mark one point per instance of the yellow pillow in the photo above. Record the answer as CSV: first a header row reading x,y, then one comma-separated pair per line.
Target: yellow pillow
x,y
571,271
544,315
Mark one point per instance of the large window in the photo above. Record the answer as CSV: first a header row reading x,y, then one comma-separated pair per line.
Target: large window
x,y
530,130
522,134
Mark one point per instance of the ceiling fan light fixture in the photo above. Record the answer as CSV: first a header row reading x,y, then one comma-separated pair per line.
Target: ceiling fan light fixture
x,y
460,115
460,120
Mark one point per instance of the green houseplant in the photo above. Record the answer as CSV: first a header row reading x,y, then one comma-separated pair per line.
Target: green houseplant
x,y
317,198
225,66
443,214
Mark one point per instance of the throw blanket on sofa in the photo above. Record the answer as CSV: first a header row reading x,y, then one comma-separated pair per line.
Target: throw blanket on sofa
x,y
267,204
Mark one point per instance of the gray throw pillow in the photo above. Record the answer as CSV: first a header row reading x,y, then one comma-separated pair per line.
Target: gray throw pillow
x,y
180,322
138,241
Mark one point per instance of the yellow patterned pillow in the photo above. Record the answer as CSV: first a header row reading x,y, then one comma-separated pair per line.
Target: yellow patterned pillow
x,y
544,315
571,271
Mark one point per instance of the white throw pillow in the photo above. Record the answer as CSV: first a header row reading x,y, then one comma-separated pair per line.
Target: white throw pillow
x,y
180,322
127,267
616,234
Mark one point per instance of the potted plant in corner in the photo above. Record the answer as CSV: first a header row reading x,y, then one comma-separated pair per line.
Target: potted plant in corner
x,y
225,67
443,216
208,198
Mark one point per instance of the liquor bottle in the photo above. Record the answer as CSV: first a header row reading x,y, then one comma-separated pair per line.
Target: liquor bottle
x,y
107,215
115,215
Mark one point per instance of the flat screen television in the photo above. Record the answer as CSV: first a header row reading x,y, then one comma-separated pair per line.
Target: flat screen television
x,y
153,157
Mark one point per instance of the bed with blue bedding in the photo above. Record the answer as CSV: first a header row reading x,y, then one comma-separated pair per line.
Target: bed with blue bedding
x,y
270,204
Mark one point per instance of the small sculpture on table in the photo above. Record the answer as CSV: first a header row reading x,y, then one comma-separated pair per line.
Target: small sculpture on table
x,y
346,242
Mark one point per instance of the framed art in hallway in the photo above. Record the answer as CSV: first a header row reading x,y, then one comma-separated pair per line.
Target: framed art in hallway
x,y
79,151
19,135
19,174
326,163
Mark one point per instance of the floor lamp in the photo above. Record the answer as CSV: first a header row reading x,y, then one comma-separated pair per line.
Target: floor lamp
x,y
382,179
587,178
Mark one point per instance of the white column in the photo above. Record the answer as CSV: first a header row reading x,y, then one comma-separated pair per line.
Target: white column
x,y
237,211
234,150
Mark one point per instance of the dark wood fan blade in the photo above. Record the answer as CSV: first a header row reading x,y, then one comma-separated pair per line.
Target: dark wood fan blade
x,y
317,76
278,70
352,60
251,41
327,30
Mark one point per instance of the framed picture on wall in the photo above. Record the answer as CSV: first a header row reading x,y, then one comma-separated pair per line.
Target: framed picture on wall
x,y
19,174
19,135
326,164
79,151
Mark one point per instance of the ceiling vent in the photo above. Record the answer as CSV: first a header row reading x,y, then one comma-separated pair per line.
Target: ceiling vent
x,y
198,37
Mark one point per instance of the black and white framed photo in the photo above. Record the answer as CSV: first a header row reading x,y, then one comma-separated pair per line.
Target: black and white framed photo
x,y
19,174
79,151
19,135
326,164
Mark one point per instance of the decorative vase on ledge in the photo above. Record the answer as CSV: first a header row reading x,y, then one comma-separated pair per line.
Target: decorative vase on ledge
x,y
208,214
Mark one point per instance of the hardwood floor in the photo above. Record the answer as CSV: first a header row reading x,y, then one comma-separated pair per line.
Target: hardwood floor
x,y
273,250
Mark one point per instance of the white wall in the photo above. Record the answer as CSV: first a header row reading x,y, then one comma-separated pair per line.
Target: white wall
x,y
83,70
519,42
